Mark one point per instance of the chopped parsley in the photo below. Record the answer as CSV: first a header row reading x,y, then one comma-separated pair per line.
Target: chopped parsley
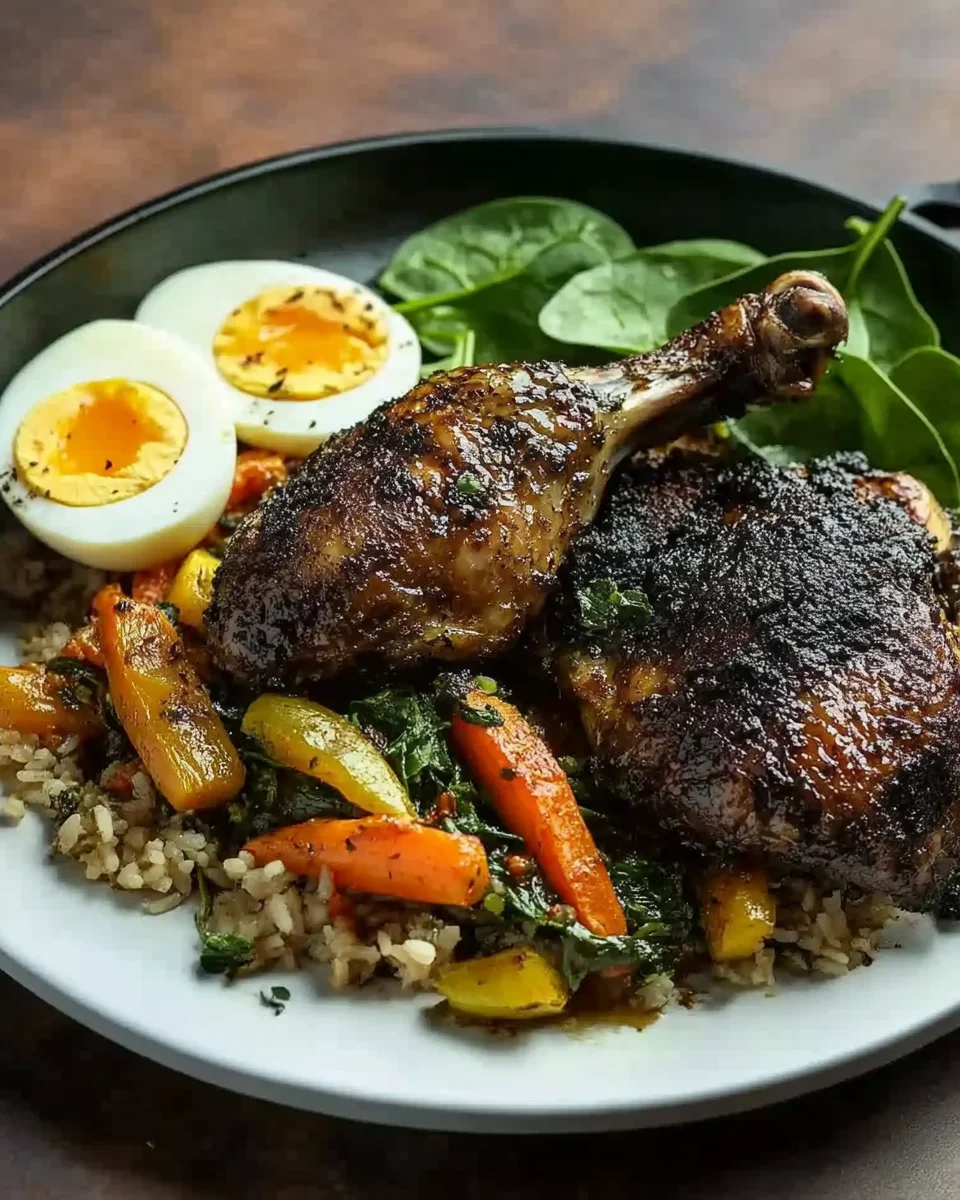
x,y
220,953
276,999
603,608
469,485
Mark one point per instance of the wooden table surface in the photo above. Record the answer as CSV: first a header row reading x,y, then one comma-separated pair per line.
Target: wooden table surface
x,y
107,102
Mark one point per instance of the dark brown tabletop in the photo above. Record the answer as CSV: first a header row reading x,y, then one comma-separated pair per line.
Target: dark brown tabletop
x,y
107,102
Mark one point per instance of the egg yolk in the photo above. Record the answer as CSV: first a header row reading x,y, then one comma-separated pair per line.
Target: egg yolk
x,y
99,442
301,343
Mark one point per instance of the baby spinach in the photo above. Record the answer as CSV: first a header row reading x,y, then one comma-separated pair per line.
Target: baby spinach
x,y
659,918
788,433
844,266
884,309
899,429
622,306
496,242
410,728
905,421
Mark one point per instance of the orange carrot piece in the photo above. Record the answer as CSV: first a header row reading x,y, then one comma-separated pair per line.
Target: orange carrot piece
x,y
532,794
85,645
152,585
256,472
385,855
164,708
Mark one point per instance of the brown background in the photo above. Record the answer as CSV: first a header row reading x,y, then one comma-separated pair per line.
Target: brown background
x,y
104,103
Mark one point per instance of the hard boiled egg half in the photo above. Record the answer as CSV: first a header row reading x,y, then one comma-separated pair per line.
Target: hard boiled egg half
x,y
116,448
301,352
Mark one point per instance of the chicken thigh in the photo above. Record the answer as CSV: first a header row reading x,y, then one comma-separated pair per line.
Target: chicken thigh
x,y
794,694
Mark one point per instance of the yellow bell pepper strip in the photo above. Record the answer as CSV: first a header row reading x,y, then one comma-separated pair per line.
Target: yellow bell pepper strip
x,y
532,794
739,911
192,588
515,985
35,701
384,855
319,742
164,708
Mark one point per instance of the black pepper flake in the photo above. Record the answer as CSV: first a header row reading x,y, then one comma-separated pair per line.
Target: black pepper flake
x,y
108,464
508,773
115,492
45,471
368,307
34,464
349,845
312,425
275,386
295,296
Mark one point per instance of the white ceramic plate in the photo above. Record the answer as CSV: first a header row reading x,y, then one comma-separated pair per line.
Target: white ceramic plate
x,y
374,1054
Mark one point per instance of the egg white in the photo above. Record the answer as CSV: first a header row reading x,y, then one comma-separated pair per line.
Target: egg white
x,y
194,303
168,518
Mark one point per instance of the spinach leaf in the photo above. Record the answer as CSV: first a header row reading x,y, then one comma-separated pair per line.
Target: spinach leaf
x,y
828,422
603,608
274,796
623,306
410,729
496,242
844,266
659,918
930,378
898,432
444,331
220,953
902,422
893,320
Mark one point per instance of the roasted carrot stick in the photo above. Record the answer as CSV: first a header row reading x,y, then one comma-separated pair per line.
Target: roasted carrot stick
x,y
256,472
164,707
532,794
386,855
152,585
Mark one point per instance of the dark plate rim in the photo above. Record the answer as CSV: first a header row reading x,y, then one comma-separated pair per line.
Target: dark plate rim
x,y
106,229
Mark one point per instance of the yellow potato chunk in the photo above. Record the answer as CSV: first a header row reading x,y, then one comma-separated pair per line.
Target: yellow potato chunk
x,y
739,912
514,985
317,741
192,587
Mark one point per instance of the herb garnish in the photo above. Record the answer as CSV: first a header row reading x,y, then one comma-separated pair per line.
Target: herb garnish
x,y
469,485
603,608
276,999
220,953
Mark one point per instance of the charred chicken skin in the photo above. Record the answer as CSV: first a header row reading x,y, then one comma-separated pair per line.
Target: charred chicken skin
x,y
795,692
434,531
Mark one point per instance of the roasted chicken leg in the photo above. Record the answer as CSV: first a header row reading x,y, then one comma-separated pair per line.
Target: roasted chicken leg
x,y
435,529
795,693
